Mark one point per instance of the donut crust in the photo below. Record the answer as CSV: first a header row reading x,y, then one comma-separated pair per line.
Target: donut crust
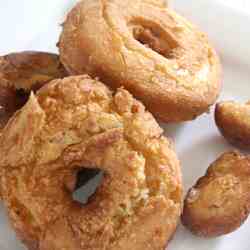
x,y
75,123
157,55
219,202
233,121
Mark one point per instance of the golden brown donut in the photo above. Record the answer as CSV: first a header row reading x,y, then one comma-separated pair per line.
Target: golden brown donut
x,y
76,123
219,202
22,72
157,55
233,121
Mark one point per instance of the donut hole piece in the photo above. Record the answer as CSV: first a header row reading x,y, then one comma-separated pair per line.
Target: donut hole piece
x,y
151,35
219,202
85,183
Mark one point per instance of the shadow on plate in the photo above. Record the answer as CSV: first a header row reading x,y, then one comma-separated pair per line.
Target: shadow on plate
x,y
173,130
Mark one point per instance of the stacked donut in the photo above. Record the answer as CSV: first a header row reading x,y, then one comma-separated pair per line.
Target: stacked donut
x,y
62,115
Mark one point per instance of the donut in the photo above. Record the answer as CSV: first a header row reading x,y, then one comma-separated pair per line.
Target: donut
x,y
22,72
233,122
157,55
77,123
219,203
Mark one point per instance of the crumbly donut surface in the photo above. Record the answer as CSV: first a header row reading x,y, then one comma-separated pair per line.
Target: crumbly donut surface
x,y
76,123
157,55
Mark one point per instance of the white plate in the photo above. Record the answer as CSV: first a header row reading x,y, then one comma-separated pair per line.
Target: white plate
x,y
35,25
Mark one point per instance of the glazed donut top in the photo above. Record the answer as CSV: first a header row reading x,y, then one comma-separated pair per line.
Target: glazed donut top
x,y
145,46
75,123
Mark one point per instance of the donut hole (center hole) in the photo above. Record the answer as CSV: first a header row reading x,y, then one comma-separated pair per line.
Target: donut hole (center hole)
x,y
21,97
87,181
155,39
10,101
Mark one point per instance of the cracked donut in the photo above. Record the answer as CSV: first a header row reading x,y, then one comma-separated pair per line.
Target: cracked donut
x,y
22,72
219,202
157,55
78,123
233,121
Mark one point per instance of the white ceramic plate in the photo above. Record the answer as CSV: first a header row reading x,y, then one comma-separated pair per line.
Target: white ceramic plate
x,y
30,24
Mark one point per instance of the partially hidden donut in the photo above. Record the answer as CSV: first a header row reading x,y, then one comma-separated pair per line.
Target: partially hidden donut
x,y
233,121
78,123
160,57
22,72
219,203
